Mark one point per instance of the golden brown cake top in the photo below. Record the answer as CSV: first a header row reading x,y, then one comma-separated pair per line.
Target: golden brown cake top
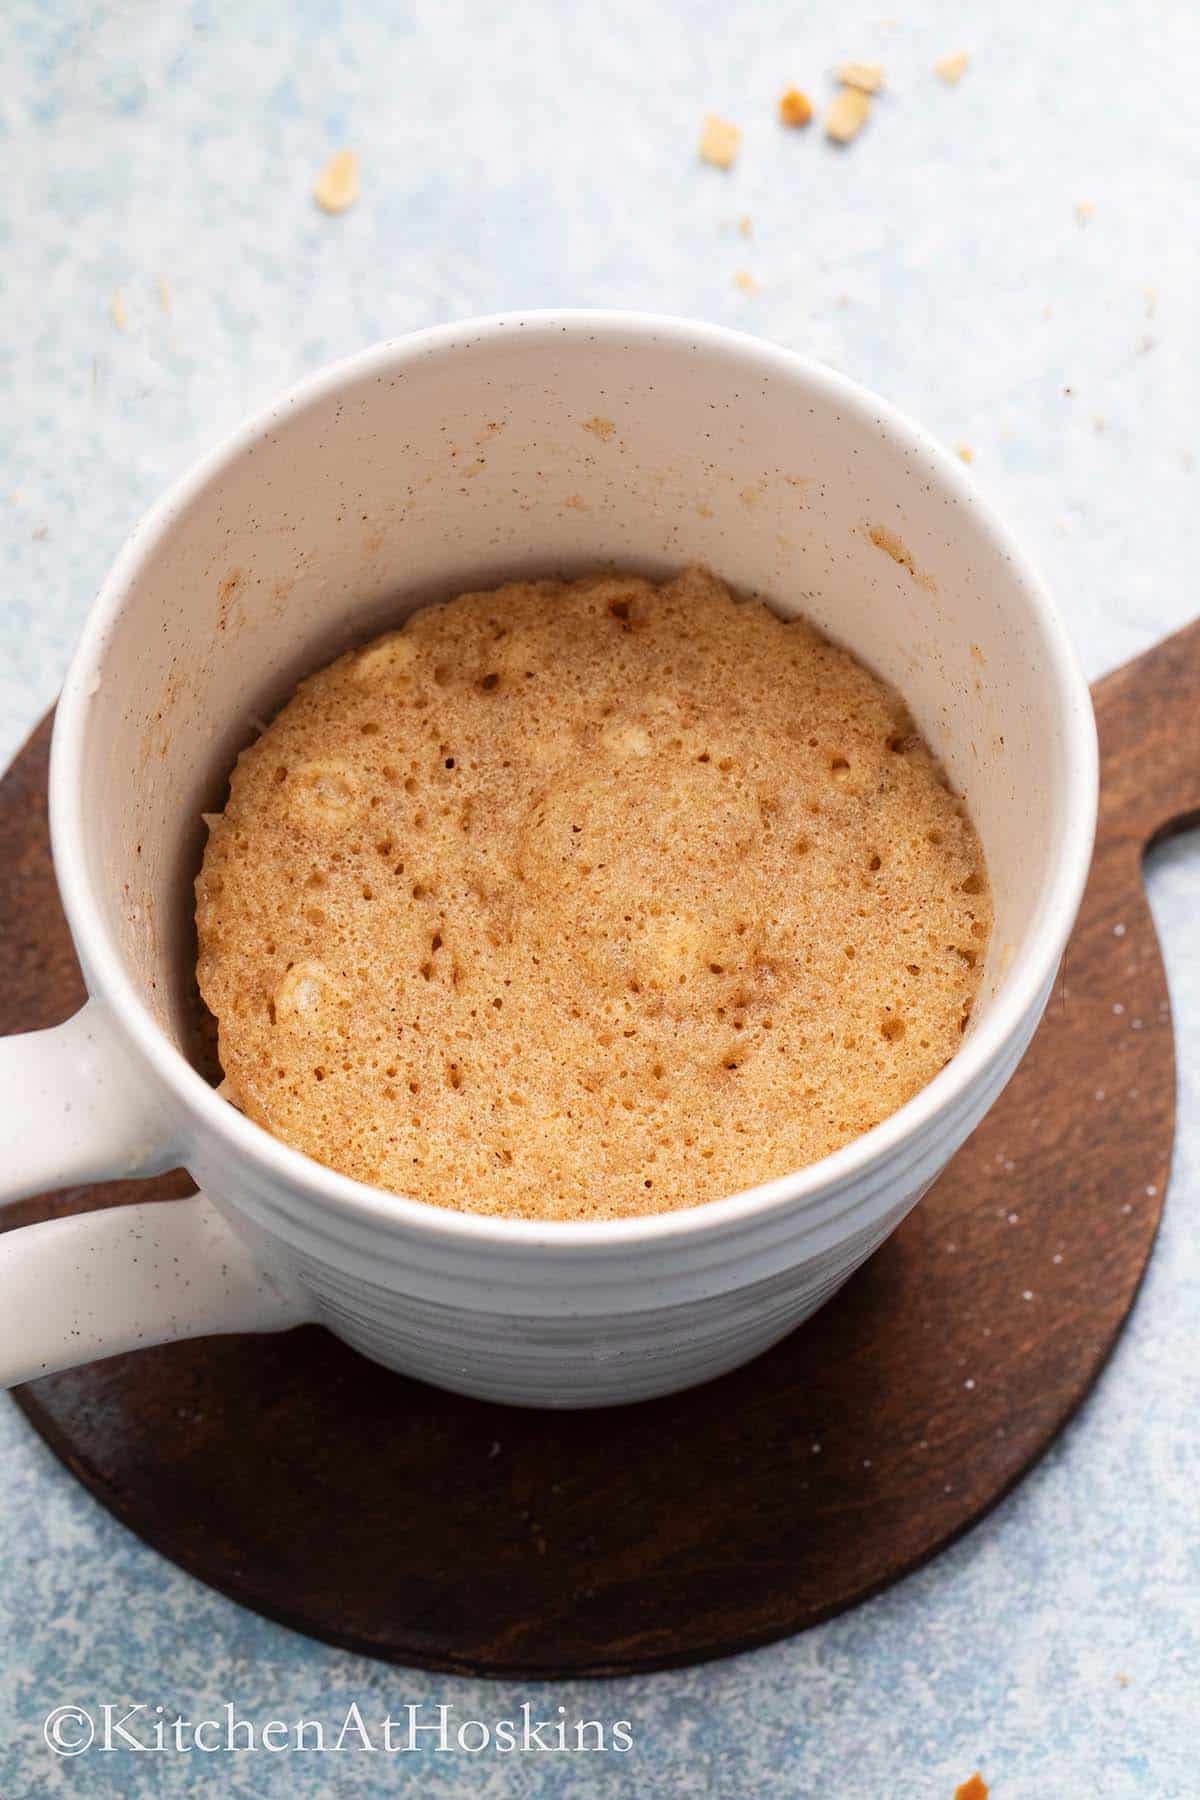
x,y
580,900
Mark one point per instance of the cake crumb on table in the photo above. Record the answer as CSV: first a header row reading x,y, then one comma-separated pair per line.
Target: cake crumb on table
x,y
866,77
745,280
720,142
337,185
952,68
847,114
966,453
795,108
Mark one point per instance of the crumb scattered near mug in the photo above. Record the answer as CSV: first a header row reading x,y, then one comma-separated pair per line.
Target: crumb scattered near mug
x,y
1085,211
847,114
720,142
337,185
866,77
1150,296
120,317
40,531
745,280
953,67
795,108
966,453
746,225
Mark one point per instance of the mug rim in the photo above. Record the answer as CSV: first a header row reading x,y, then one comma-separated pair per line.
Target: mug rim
x,y
1019,990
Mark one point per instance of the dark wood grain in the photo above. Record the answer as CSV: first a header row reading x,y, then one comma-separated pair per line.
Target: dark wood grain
x,y
429,1529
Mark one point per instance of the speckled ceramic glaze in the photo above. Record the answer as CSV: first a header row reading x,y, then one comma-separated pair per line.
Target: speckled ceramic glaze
x,y
456,457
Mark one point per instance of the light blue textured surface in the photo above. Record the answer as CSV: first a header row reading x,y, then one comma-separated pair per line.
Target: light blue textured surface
x,y
533,153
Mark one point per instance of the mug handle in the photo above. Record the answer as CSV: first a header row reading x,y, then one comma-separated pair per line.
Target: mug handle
x,y
72,1110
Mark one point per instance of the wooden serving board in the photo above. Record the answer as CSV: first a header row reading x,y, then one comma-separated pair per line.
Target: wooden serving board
x,y
413,1525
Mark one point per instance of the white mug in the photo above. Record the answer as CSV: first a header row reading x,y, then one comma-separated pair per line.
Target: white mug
x,y
536,443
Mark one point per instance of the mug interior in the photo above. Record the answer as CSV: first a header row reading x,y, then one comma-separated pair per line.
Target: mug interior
x,y
541,445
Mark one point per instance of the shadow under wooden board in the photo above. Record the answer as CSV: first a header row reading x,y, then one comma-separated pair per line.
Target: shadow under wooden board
x,y
427,1529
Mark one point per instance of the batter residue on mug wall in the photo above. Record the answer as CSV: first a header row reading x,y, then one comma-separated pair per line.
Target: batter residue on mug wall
x,y
584,899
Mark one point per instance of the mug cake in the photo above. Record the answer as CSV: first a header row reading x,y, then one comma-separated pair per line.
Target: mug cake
x,y
585,899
